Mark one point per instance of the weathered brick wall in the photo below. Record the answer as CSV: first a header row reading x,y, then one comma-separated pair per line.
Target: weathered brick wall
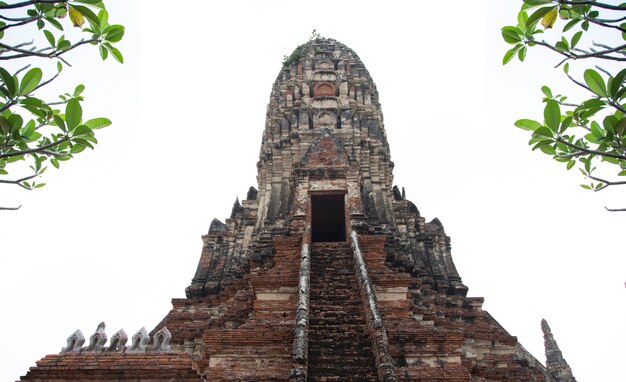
x,y
102,367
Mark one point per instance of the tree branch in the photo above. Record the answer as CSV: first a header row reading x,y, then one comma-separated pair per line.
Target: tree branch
x,y
589,151
31,2
595,4
605,25
571,155
54,54
615,209
23,22
18,181
606,182
17,208
35,149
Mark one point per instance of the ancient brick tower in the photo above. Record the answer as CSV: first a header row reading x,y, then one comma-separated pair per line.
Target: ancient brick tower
x,y
324,273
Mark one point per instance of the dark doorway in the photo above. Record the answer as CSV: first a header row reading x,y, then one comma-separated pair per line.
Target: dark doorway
x,y
328,219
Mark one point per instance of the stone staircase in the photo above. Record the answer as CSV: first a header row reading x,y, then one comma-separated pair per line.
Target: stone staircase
x,y
340,347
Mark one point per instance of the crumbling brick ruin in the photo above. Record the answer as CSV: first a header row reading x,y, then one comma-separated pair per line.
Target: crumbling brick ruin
x,y
325,273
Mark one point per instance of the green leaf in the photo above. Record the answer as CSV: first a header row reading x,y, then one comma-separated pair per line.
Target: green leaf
x,y
59,122
565,124
592,138
552,115
595,82
82,130
64,45
576,38
617,83
30,81
591,104
527,124
77,148
510,54
511,35
98,123
561,46
49,37
54,23
596,130
73,113
9,81
546,90
570,24
542,143
54,162
548,150
586,186
116,54
39,185
103,16
103,52
544,132
620,127
585,25
521,54
5,125
79,89
522,17
116,32
571,164
566,68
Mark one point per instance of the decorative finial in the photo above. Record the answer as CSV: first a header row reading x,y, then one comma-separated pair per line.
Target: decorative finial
x,y
555,363
74,342
98,339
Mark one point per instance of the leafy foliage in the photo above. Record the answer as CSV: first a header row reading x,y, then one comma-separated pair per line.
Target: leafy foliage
x,y
300,50
33,130
590,132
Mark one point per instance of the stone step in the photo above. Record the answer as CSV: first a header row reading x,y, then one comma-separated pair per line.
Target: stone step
x,y
339,343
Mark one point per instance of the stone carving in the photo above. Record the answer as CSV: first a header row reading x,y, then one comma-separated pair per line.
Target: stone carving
x,y
217,226
252,193
98,339
118,341
140,341
161,340
74,342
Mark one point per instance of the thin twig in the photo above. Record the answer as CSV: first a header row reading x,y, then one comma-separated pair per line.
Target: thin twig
x,y
600,23
18,181
607,47
23,22
604,71
606,182
10,208
31,2
571,155
596,4
615,209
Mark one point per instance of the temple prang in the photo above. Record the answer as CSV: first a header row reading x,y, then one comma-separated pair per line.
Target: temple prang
x,y
324,272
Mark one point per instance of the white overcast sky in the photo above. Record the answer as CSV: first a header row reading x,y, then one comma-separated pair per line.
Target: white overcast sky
x,y
115,234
